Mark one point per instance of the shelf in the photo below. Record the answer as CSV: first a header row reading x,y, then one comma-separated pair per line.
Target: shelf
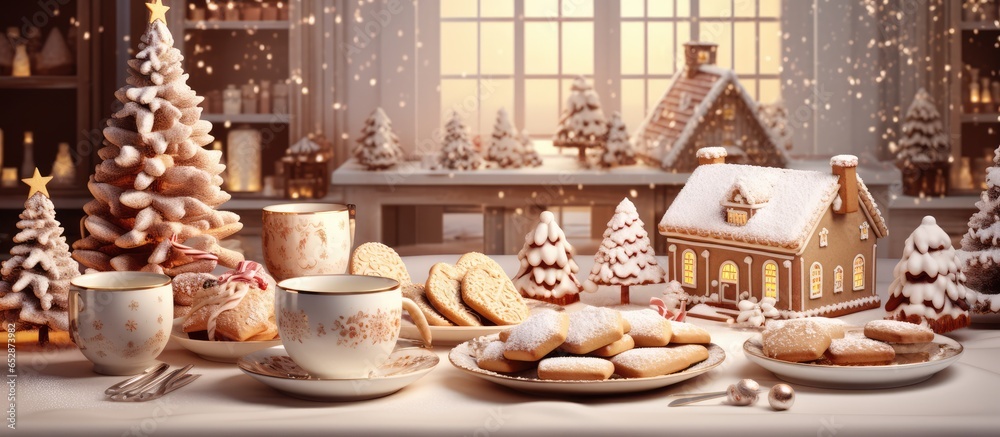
x,y
237,25
980,25
985,117
247,118
38,82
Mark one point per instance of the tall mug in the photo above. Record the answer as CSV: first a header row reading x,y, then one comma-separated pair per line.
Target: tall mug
x,y
306,239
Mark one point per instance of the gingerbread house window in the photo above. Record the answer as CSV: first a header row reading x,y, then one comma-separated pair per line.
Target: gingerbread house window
x,y
688,268
730,273
771,279
859,273
816,281
824,237
838,279
703,56
864,230
736,217
729,112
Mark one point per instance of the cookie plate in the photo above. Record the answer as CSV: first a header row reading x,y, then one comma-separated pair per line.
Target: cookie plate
x,y
856,377
463,357
221,351
453,335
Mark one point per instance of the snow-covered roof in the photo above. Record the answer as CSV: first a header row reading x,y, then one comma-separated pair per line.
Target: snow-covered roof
x,y
844,161
711,152
798,200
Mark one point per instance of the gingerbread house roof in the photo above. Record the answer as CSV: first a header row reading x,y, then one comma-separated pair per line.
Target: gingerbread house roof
x,y
670,126
798,200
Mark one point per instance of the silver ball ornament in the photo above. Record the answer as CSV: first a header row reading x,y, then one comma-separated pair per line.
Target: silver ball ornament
x,y
743,392
781,397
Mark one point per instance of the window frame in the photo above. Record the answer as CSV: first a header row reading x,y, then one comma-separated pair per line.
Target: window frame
x,y
815,280
694,268
771,291
858,276
838,279
736,273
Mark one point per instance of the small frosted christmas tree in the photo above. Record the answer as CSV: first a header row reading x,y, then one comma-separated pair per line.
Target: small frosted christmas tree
x,y
775,116
924,150
531,156
928,285
35,288
618,149
583,124
506,148
457,151
157,190
548,271
378,148
625,257
981,245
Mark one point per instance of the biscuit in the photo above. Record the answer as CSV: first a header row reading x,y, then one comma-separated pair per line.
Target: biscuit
x,y
796,342
836,328
187,286
591,328
491,358
493,296
473,260
623,344
686,333
444,291
377,259
655,361
859,352
894,331
535,337
575,369
418,294
648,328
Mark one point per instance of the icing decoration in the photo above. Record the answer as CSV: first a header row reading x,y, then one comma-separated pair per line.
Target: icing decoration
x,y
755,314
250,272
233,287
191,252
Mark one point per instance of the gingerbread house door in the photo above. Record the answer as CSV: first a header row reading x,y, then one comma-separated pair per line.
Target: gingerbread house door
x,y
729,280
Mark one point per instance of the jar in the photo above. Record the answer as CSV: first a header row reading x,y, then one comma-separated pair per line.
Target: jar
x,y
244,160
232,100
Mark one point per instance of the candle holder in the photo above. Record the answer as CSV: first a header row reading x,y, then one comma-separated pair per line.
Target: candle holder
x,y
307,169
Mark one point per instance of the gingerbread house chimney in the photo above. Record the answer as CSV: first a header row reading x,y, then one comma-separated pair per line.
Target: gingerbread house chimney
x,y
697,54
711,155
845,168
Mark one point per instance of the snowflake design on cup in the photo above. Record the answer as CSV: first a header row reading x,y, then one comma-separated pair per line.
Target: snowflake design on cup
x,y
134,305
293,325
98,325
379,327
131,326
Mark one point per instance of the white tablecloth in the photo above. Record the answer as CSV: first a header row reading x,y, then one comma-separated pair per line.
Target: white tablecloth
x,y
58,393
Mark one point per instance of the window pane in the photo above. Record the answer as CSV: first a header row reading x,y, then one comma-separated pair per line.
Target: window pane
x,y
541,8
770,8
662,8
541,48
458,48
459,95
632,8
497,53
661,48
655,88
751,86
496,94
770,90
683,8
721,34
496,8
683,36
578,8
458,8
745,8
541,106
716,8
633,43
633,102
578,48
746,50
770,48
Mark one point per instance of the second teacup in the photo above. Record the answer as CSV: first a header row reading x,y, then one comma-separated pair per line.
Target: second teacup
x,y
302,239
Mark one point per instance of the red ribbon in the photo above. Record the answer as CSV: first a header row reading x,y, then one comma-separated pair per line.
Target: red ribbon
x,y
661,307
246,271
190,251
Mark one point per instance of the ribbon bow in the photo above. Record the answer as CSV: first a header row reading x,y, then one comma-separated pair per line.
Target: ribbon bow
x,y
661,307
191,252
246,271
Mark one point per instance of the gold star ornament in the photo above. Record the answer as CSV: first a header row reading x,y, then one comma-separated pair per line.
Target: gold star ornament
x,y
37,183
157,11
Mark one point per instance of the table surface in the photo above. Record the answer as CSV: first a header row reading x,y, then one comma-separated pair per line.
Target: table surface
x,y
58,393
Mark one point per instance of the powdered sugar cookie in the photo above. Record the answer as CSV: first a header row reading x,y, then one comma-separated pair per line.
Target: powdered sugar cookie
x,y
623,344
444,291
655,361
894,331
377,259
796,342
649,328
686,333
534,338
591,328
859,352
417,293
491,358
575,369
492,295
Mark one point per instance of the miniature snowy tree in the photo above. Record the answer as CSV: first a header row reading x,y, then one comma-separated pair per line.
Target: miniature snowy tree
x,y
625,257
531,156
928,284
378,148
775,117
583,124
618,149
923,149
506,148
35,287
157,190
457,151
548,271
981,245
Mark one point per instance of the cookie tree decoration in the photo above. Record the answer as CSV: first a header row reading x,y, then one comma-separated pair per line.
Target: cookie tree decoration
x,y
625,257
927,284
506,148
981,245
547,270
618,149
583,124
35,286
457,152
157,186
378,148
923,149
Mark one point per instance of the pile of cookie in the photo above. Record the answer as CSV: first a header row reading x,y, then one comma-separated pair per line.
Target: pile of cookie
x,y
820,340
594,344
473,292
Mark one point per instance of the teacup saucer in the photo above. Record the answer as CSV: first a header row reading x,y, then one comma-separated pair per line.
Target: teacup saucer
x,y
275,368
220,351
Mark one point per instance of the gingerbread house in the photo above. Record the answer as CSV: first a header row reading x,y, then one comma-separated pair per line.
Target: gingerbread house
x,y
804,238
706,106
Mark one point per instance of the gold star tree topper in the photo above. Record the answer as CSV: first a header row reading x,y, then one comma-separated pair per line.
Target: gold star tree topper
x,y
37,184
157,11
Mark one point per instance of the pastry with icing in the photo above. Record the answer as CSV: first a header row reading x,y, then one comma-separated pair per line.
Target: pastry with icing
x,y
240,307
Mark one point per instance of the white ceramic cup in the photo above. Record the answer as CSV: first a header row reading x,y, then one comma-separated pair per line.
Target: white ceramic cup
x,y
342,326
121,320
304,239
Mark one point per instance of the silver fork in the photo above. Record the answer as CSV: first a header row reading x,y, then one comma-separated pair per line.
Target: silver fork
x,y
138,380
157,386
165,388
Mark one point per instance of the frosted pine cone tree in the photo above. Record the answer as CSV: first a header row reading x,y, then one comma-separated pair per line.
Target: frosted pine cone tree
x,y
378,148
548,271
35,286
775,116
625,257
457,151
928,285
582,124
531,156
618,149
981,245
924,150
506,148
157,190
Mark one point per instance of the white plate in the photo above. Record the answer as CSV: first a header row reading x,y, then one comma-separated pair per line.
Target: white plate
x,y
221,351
856,377
275,369
463,357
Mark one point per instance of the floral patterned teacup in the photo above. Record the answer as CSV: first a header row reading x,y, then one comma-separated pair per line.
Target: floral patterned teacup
x,y
302,239
121,320
342,326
